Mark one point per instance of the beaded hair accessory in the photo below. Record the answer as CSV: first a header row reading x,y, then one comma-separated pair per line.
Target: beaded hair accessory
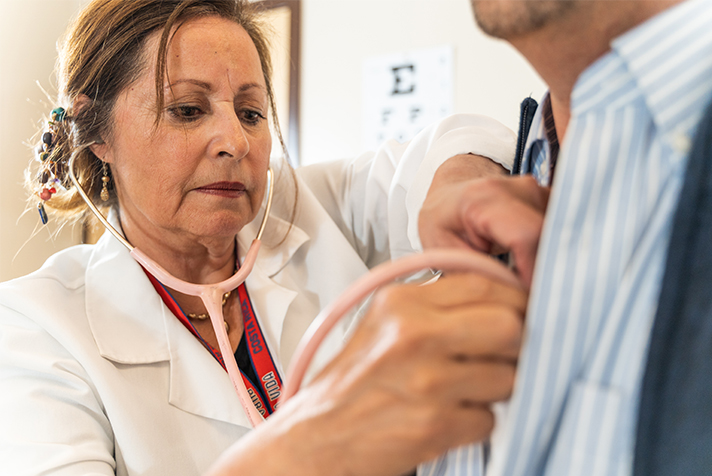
x,y
50,168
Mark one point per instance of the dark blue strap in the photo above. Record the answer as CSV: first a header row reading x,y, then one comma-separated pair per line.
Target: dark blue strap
x,y
526,115
674,434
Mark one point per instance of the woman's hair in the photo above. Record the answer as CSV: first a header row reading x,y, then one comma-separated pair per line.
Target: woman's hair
x,y
102,54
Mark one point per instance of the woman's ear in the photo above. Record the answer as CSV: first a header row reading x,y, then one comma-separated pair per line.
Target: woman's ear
x,y
99,147
101,150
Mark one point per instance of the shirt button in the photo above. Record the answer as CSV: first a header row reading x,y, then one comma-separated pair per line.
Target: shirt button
x,y
681,142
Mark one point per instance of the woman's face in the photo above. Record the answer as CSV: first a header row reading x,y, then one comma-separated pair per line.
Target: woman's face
x,y
202,172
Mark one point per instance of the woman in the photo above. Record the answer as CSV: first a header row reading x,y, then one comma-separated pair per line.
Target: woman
x,y
105,370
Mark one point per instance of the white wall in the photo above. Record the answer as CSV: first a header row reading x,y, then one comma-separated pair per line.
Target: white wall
x,y
337,35
28,33
491,78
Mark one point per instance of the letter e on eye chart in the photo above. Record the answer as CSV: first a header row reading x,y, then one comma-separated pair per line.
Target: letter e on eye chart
x,y
404,92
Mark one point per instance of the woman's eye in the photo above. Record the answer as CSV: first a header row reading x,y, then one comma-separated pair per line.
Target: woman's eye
x,y
252,117
186,113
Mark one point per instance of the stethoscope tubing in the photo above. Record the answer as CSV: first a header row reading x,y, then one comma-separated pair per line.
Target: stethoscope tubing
x,y
446,260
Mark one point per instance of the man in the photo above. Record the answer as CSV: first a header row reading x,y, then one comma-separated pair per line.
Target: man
x,y
629,83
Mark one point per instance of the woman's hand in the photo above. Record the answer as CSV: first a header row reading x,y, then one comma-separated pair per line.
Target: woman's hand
x,y
416,379
495,214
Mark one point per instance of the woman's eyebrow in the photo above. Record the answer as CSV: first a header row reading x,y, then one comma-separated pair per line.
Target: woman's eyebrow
x,y
207,86
247,86
200,84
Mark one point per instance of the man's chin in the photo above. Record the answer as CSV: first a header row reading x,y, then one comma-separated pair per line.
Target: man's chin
x,y
509,19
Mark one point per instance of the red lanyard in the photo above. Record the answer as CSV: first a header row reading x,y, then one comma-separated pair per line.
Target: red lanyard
x,y
270,383
260,356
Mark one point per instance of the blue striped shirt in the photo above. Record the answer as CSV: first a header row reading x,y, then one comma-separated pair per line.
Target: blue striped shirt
x,y
602,254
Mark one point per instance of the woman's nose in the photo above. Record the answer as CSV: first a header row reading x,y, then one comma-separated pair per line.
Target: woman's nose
x,y
229,139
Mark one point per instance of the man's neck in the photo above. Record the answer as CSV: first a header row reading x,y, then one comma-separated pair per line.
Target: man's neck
x,y
561,52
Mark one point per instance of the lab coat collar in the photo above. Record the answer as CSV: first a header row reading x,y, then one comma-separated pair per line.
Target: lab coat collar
x,y
126,315
280,241
132,326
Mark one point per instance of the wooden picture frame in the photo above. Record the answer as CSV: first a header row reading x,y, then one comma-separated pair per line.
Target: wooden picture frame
x,y
284,17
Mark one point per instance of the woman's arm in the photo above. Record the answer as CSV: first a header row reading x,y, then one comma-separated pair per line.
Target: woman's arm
x,y
375,199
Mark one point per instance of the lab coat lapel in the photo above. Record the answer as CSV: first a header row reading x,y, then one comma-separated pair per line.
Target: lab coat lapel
x,y
271,300
132,326
198,384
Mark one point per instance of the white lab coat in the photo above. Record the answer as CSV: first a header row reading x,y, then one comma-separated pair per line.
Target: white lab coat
x,y
98,377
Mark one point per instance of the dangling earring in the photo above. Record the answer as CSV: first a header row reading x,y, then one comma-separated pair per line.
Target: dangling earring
x,y
104,190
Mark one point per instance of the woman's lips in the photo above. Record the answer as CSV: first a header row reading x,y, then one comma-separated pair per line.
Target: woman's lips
x,y
223,189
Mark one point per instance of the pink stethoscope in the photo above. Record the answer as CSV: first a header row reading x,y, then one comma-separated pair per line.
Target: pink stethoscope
x,y
211,294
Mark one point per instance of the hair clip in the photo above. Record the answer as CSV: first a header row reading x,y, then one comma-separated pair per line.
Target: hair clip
x,y
43,213
47,177
57,114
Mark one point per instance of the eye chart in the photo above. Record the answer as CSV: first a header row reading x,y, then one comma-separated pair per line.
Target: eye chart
x,y
404,92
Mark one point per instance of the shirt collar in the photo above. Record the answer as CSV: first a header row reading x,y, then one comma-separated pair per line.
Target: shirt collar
x,y
536,149
666,62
